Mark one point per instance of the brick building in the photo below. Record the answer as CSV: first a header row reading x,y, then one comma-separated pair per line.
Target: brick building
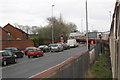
x,y
11,36
4,34
16,33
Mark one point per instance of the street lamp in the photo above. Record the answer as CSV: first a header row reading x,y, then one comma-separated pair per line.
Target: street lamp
x,y
110,15
86,25
52,25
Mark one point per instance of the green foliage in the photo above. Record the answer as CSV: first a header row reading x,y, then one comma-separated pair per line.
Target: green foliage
x,y
18,39
59,27
37,40
100,69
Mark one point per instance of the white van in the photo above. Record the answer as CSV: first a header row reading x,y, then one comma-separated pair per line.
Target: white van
x,y
72,42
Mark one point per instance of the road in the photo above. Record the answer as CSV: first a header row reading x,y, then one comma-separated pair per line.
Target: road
x,y
26,67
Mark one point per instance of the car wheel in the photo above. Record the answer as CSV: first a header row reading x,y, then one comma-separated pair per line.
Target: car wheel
x,y
41,55
15,60
21,56
28,56
4,63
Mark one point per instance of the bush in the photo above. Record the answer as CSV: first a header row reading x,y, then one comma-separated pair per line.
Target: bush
x,y
100,69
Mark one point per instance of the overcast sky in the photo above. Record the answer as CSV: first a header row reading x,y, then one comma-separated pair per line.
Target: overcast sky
x,y
35,12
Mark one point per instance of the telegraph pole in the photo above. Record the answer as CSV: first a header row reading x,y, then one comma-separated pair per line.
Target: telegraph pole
x,y
86,25
82,25
52,25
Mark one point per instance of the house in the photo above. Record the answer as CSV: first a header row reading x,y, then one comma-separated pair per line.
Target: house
x,y
4,34
11,36
16,33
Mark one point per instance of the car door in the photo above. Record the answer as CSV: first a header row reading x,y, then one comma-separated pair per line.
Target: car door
x,y
39,51
7,57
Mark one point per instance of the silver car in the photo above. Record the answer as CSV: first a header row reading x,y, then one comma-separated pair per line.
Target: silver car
x,y
56,47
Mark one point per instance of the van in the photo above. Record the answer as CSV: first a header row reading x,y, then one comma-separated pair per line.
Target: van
x,y
72,42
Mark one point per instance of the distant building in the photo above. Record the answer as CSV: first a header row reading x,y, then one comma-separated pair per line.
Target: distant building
x,y
92,35
76,35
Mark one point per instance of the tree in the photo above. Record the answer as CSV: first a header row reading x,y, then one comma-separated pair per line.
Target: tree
x,y
59,27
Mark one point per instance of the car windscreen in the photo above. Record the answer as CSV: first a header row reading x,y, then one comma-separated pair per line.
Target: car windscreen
x,y
29,48
55,45
41,46
39,50
12,49
7,53
32,50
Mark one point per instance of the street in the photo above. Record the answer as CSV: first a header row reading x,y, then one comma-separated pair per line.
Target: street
x,y
26,67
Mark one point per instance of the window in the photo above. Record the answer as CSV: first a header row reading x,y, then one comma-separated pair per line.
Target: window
x,y
8,35
38,49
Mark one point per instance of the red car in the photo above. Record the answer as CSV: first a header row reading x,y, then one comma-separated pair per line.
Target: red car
x,y
26,50
35,52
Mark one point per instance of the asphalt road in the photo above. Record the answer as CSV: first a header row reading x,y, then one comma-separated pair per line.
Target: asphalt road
x,y
26,67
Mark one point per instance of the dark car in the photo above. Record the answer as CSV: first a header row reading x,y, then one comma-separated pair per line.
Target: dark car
x,y
16,51
36,52
28,48
44,48
7,57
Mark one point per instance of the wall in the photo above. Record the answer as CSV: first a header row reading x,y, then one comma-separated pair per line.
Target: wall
x,y
74,67
22,44
3,34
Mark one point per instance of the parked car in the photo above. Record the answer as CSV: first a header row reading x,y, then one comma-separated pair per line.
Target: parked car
x,y
7,57
49,46
36,52
65,46
16,51
56,47
26,50
44,48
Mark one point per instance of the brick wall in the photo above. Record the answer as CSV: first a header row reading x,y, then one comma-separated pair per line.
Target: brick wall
x,y
3,34
21,44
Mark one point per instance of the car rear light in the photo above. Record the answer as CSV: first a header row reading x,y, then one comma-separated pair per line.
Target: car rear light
x,y
1,58
25,50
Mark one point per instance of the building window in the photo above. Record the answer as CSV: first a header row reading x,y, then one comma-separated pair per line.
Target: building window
x,y
8,36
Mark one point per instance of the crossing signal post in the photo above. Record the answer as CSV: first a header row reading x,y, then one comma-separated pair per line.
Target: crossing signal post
x,y
61,38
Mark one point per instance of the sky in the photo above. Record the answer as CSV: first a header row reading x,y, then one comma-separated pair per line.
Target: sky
x,y
36,12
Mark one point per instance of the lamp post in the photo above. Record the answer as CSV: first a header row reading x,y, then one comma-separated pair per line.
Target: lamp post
x,y
81,25
110,15
86,25
52,25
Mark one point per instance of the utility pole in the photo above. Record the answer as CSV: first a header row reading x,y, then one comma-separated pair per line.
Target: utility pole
x,y
82,25
86,25
52,25
110,16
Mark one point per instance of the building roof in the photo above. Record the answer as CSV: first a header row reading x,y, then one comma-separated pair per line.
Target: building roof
x,y
16,28
5,29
